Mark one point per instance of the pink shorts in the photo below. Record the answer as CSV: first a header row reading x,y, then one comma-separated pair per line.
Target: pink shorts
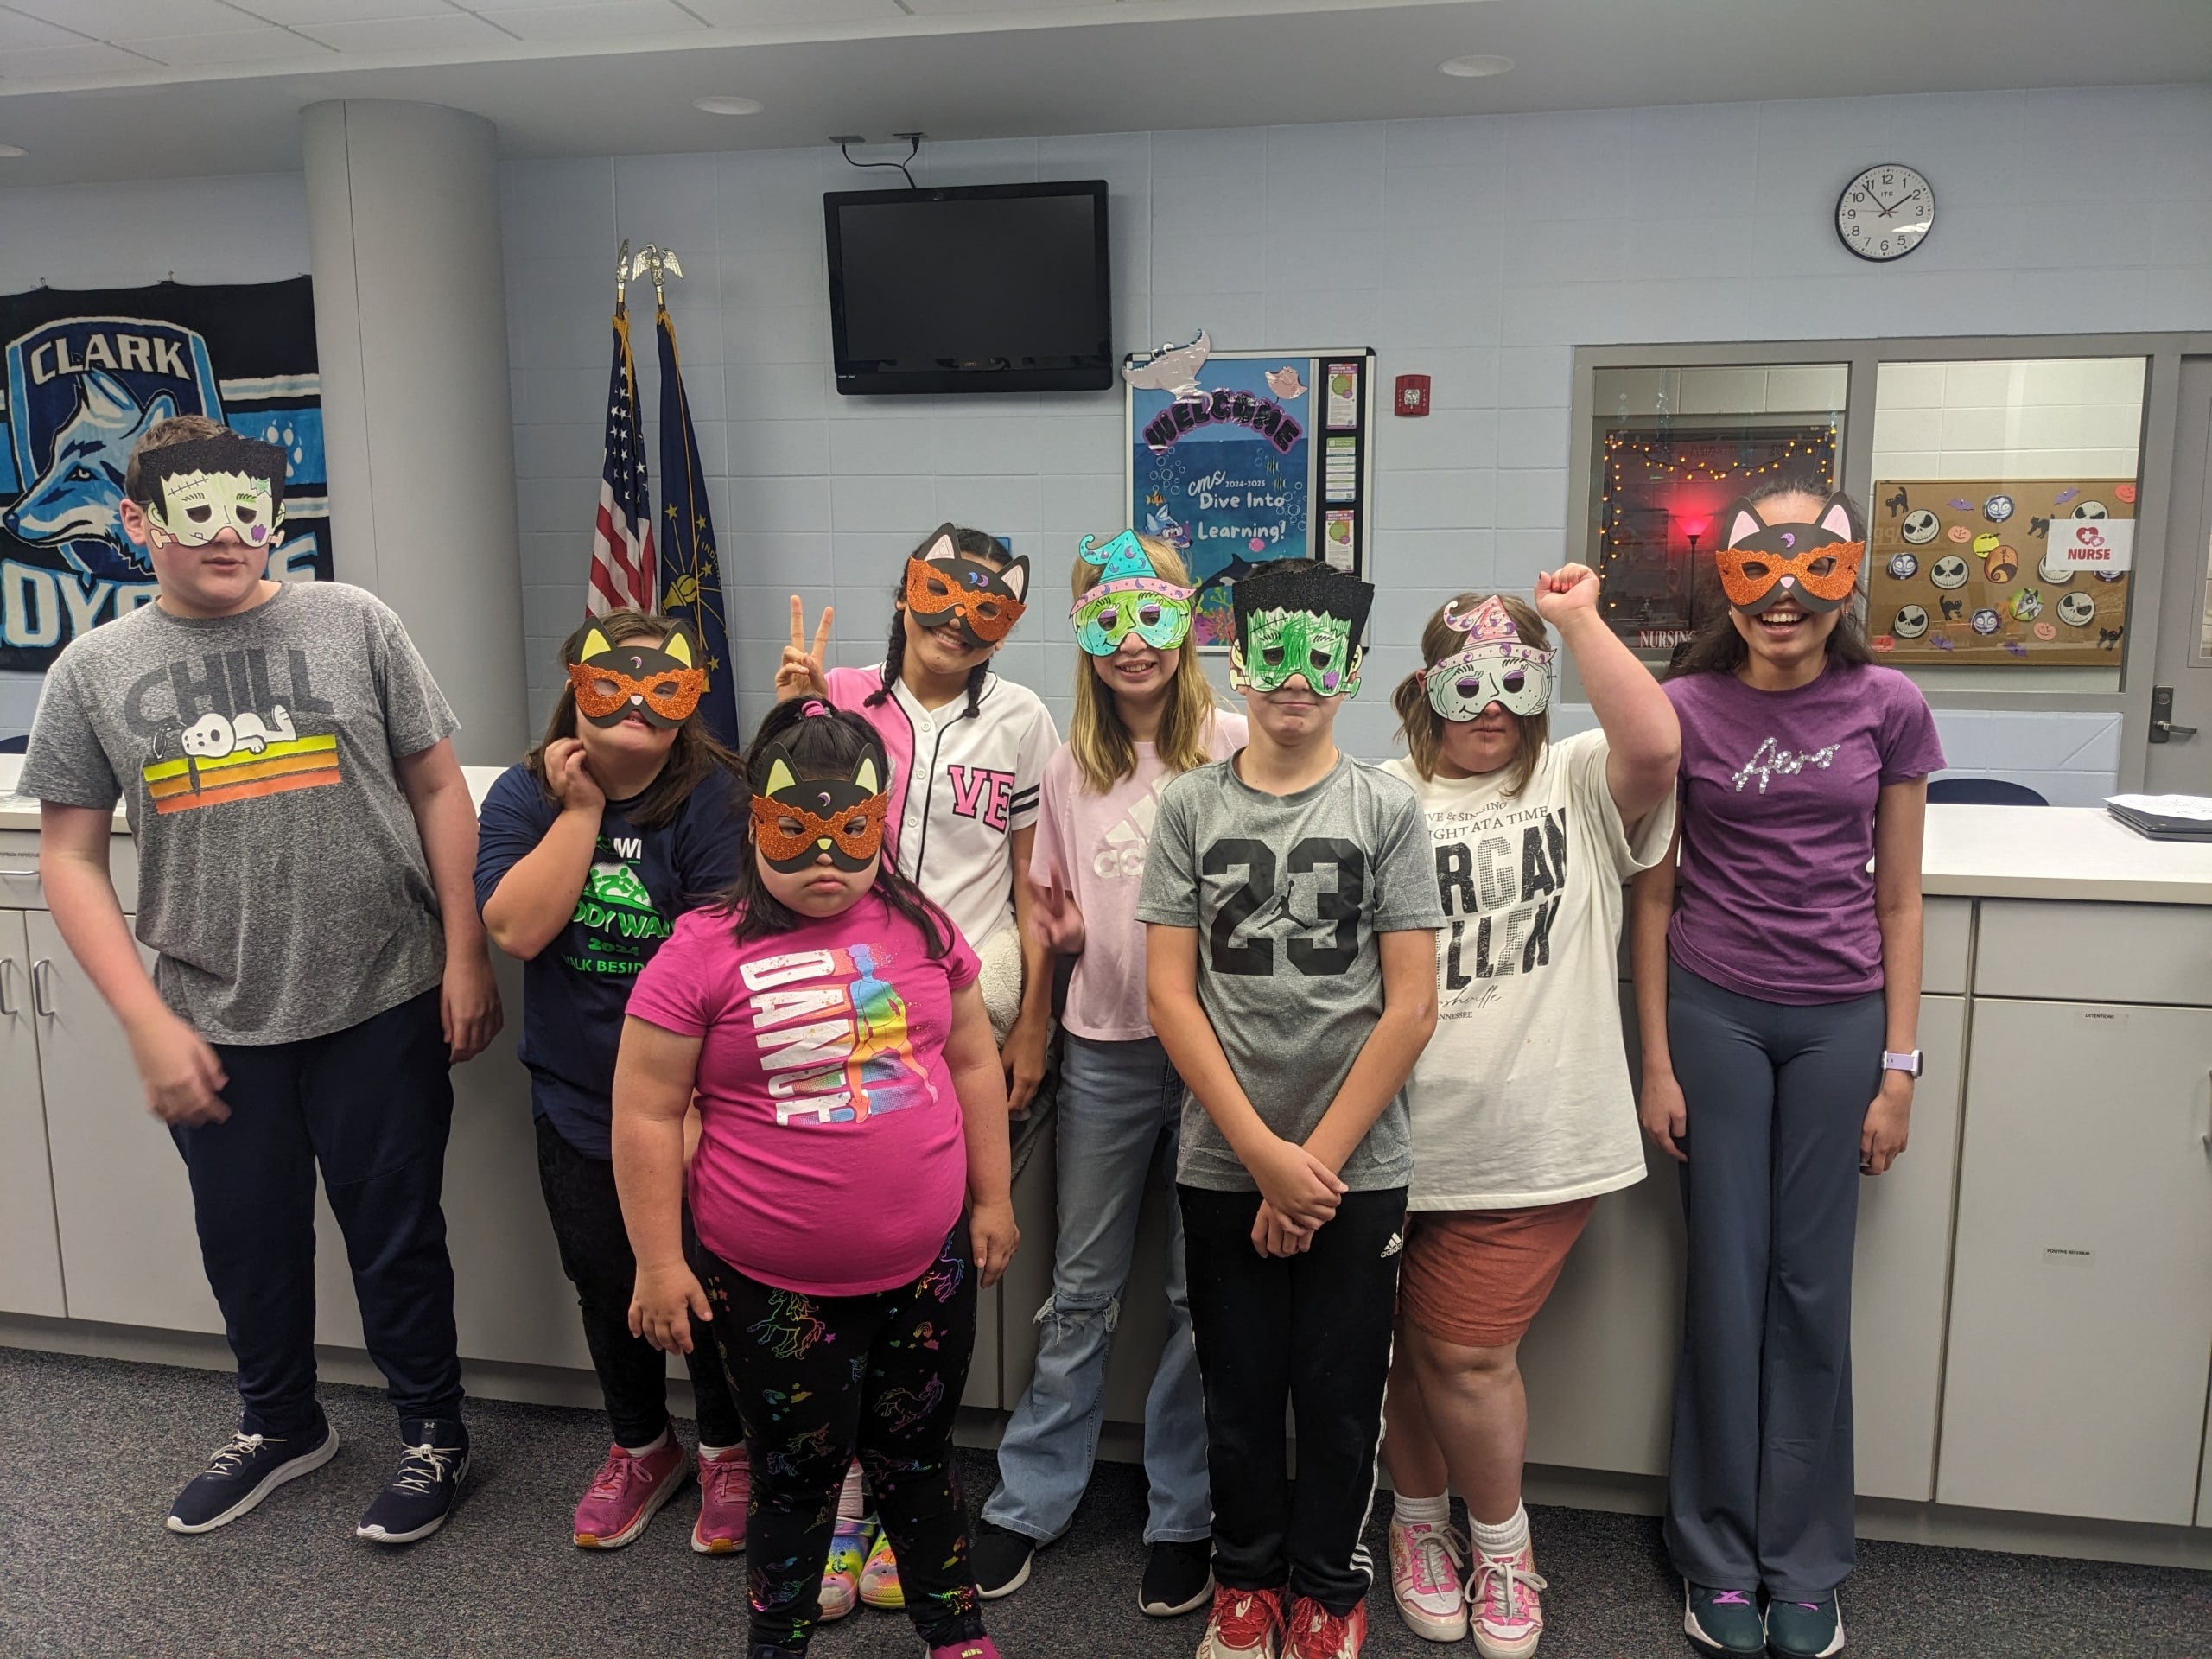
x,y
1476,1277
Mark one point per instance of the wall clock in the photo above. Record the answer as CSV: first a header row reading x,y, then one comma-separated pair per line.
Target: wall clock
x,y
1884,212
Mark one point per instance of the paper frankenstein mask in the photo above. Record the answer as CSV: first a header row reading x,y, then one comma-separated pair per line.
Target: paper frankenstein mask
x,y
947,590
662,684
1495,666
1813,566
1304,621
199,488
796,820
1130,597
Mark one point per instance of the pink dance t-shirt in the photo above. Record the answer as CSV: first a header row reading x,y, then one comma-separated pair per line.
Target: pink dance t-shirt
x,y
1093,846
832,1159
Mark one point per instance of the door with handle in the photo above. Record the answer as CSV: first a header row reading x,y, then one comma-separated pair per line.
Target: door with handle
x,y
2179,752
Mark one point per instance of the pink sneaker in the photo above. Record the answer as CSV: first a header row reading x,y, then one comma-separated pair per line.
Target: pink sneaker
x,y
1508,1614
624,1493
1425,1562
980,1648
725,1484
840,1578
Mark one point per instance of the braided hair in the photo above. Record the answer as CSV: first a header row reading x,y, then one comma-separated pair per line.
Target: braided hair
x,y
971,544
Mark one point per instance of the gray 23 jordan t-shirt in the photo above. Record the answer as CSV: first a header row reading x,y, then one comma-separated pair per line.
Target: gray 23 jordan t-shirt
x,y
1286,893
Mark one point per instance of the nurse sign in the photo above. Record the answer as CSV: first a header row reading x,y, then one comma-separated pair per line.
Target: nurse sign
x,y
2105,546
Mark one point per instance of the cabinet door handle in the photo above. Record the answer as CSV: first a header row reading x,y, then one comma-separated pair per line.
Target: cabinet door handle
x,y
17,869
8,1004
41,1001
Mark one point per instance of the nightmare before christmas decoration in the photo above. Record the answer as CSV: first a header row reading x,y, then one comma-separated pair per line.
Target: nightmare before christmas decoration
x,y
946,589
796,820
1812,566
204,486
1130,596
1496,667
662,685
1304,622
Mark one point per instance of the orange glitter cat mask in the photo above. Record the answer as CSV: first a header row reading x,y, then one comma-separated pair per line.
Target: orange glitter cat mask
x,y
841,816
981,602
1812,566
661,684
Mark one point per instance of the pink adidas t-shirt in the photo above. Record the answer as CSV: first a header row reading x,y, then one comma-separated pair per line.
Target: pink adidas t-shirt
x,y
1093,846
832,1159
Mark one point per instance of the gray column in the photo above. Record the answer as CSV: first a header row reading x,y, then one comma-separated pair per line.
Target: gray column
x,y
411,328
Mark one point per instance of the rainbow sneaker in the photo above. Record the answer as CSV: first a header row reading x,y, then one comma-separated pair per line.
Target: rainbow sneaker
x,y
879,1578
840,1578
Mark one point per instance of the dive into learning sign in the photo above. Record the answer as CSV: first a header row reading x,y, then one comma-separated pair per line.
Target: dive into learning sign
x,y
87,373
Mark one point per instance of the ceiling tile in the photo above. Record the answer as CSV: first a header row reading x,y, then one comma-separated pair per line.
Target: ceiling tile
x,y
593,20
447,32
16,32
343,11
241,46
121,20
55,62
754,14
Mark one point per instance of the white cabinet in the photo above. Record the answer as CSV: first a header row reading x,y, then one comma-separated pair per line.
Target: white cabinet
x,y
2081,1321
122,1204
30,1254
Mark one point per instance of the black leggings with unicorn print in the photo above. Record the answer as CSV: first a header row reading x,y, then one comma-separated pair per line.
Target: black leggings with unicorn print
x,y
818,1378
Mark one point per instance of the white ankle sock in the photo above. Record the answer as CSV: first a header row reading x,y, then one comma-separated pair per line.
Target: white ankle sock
x,y
1412,1511
851,1504
649,1446
1508,1537
710,1452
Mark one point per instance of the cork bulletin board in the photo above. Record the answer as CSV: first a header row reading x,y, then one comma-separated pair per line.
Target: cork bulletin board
x,y
2007,572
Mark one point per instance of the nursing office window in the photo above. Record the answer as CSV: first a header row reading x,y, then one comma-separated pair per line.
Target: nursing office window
x,y
1671,447
2002,518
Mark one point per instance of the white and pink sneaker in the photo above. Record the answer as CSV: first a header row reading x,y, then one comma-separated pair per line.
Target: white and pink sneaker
x,y
1508,1612
1425,1561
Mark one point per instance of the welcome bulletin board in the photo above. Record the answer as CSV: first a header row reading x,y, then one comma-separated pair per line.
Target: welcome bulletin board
x,y
2008,572
1236,458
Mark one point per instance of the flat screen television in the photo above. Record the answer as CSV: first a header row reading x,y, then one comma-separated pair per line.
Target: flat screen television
x,y
981,287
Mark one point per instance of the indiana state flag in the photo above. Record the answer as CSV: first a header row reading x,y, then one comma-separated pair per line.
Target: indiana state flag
x,y
690,572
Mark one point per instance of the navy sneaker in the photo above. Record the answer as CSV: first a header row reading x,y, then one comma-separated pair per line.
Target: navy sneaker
x,y
1804,1630
246,1470
1723,1621
433,1462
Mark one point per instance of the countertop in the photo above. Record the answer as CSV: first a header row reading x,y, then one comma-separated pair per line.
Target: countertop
x,y
1990,852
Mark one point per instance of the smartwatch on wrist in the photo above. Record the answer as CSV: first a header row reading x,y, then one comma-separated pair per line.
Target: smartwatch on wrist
x,y
1907,1062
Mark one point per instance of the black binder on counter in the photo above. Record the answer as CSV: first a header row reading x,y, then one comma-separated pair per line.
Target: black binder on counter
x,y
2141,814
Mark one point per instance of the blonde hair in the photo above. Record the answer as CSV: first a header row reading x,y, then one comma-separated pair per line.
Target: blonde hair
x,y
1422,727
1105,751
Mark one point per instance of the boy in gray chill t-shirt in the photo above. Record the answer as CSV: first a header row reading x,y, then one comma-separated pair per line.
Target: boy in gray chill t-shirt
x,y
1290,899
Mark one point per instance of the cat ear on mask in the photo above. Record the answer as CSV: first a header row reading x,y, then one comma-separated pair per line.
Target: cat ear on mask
x,y
779,774
1743,523
1016,578
941,548
867,775
682,646
1838,519
596,644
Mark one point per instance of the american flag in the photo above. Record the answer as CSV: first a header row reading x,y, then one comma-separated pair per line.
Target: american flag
x,y
622,536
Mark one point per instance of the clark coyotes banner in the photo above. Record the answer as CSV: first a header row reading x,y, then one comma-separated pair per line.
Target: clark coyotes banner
x,y
86,373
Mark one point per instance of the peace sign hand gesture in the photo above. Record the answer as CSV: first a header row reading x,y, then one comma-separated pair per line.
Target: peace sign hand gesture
x,y
801,673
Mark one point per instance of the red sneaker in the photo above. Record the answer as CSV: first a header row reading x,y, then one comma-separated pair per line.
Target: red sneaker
x,y
1243,1624
725,1486
1316,1633
627,1491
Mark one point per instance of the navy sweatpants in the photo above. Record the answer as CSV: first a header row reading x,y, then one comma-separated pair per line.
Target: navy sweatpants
x,y
372,1104
1759,1486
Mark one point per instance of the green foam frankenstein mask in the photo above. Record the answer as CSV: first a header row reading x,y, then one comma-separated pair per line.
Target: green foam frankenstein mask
x,y
1303,621
199,488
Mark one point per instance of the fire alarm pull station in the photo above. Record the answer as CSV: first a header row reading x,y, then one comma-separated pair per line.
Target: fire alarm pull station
x,y
1412,396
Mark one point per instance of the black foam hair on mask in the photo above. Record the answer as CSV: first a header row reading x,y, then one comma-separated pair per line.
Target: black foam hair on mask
x,y
231,452
1320,589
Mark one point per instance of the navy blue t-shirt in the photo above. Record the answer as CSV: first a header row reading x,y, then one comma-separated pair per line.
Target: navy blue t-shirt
x,y
575,990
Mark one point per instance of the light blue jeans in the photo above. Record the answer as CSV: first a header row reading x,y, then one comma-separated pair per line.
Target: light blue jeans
x,y
1120,1112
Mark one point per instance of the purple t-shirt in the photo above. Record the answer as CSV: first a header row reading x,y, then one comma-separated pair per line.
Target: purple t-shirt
x,y
1778,790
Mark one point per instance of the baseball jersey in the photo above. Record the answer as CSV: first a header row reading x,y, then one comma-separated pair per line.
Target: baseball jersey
x,y
960,789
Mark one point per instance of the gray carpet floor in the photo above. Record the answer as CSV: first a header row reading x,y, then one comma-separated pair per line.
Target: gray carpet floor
x,y
93,1449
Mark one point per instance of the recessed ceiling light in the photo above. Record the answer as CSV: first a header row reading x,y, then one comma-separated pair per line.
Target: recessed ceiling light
x,y
12,151
1478,63
727,105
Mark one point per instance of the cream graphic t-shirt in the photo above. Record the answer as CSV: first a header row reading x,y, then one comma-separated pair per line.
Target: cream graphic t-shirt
x,y
1523,1097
